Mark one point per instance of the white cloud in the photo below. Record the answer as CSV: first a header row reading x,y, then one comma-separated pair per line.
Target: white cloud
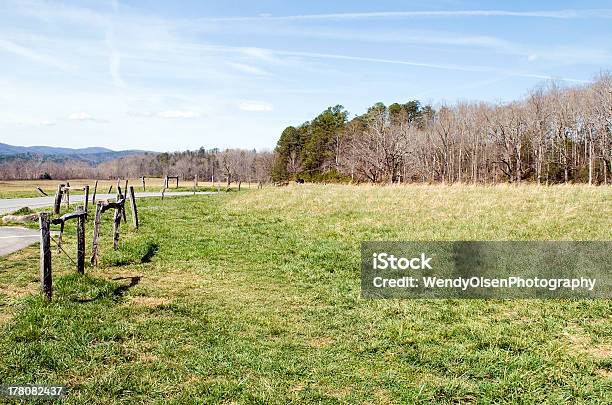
x,y
257,106
254,70
455,67
83,116
560,14
26,121
176,114
140,114
31,54
257,53
114,58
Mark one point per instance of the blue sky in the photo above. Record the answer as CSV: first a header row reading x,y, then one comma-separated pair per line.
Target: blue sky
x,y
164,75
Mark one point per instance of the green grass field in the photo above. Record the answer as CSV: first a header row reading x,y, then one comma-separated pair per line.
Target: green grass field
x,y
254,297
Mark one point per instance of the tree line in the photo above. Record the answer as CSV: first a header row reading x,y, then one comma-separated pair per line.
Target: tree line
x,y
554,135
228,166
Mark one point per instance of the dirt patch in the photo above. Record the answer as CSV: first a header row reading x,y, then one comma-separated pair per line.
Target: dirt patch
x,y
339,393
382,397
5,317
601,351
147,358
584,344
578,341
13,291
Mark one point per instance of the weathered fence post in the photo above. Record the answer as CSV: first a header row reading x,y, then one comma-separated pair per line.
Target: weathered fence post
x,y
86,198
93,198
116,224
143,183
134,210
58,199
176,181
96,231
239,184
45,255
120,196
67,194
81,239
166,182
195,179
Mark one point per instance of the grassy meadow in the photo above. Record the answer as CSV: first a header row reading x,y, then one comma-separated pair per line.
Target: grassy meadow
x,y
254,297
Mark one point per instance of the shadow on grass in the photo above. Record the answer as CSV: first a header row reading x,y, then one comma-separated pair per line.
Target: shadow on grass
x,y
121,290
151,251
117,292
137,251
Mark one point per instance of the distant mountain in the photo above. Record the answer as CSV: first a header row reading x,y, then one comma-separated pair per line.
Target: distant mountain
x,y
92,155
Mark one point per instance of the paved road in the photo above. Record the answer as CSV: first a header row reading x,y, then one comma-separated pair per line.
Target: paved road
x,y
13,204
13,239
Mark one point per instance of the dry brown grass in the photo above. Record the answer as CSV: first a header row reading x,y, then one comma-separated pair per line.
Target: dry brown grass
x,y
580,342
27,188
13,291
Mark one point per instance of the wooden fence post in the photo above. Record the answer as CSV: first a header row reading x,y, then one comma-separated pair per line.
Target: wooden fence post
x,y
81,240
96,231
119,197
93,198
166,182
86,198
116,224
58,199
67,194
176,181
134,210
45,255
143,184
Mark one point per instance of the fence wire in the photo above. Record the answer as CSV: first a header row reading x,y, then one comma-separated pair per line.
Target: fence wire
x,y
62,249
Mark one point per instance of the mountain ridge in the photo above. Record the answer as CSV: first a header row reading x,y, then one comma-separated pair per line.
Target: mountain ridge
x,y
92,155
